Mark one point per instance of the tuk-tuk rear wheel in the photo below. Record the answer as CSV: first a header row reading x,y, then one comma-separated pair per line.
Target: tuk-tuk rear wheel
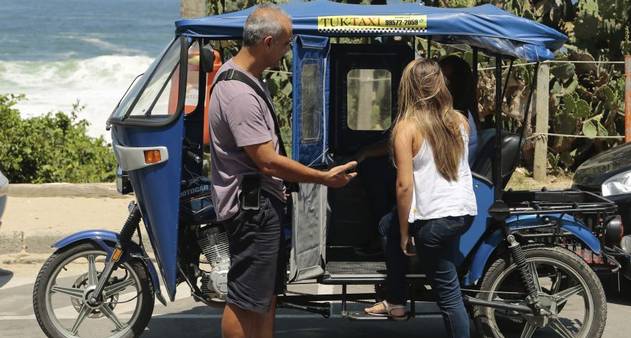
x,y
501,282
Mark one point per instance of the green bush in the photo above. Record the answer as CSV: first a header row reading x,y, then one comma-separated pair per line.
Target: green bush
x,y
51,148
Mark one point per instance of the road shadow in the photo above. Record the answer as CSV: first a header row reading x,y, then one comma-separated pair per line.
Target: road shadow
x,y
617,292
5,277
204,322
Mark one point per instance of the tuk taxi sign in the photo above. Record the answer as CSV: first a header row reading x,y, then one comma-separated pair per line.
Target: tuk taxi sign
x,y
372,23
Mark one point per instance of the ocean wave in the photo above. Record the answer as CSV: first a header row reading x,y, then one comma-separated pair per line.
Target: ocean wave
x,y
96,83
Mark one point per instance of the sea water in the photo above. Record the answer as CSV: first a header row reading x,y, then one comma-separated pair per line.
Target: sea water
x,y
61,52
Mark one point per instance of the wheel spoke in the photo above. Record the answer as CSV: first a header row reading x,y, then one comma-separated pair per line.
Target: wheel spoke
x,y
559,328
110,314
118,287
92,273
562,296
556,285
506,312
535,276
72,292
83,312
528,330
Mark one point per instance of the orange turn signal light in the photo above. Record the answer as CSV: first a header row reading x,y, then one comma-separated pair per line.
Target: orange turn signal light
x,y
116,254
152,156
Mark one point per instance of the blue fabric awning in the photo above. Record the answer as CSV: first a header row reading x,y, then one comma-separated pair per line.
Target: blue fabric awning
x,y
486,27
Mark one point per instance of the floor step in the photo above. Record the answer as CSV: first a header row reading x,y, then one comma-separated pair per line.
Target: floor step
x,y
366,273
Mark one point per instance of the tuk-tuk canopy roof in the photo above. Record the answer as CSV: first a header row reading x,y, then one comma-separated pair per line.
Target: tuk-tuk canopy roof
x,y
487,27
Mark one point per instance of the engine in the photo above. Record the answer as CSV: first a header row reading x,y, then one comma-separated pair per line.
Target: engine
x,y
197,211
213,242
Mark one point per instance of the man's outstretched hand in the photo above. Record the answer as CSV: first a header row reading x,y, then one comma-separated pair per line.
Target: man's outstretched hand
x,y
340,175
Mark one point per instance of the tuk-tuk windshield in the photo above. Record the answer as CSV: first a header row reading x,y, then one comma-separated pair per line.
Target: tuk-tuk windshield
x,y
150,84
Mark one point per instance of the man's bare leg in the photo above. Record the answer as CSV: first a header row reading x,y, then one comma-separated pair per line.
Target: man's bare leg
x,y
239,323
264,323
234,322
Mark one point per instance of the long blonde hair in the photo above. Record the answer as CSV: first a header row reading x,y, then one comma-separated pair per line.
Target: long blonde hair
x,y
425,101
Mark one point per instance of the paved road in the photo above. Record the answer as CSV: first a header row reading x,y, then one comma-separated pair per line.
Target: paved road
x,y
185,316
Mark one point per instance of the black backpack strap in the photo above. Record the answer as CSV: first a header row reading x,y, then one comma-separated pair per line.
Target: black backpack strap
x,y
236,75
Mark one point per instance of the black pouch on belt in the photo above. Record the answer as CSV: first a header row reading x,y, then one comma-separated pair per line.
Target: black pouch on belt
x,y
250,198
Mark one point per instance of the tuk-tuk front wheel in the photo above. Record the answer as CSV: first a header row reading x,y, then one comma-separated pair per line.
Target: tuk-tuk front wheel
x,y
63,287
570,293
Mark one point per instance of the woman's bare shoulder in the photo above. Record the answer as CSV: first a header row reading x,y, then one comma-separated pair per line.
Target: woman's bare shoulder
x,y
408,132
408,129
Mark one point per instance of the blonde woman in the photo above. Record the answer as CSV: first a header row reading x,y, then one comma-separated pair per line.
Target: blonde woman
x,y
434,192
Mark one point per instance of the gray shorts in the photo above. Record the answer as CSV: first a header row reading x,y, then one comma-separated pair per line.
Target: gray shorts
x,y
258,260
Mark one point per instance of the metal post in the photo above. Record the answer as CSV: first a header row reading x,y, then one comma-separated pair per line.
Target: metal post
x,y
474,62
541,108
497,159
627,98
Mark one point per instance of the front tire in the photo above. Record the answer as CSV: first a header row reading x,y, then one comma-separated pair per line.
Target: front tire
x,y
59,295
568,287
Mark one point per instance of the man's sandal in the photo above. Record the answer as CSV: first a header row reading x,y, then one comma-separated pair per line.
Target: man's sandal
x,y
385,309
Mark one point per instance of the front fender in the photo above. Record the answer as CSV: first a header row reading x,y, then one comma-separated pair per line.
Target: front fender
x,y
107,240
568,223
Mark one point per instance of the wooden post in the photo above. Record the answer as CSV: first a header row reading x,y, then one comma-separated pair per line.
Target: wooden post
x,y
627,98
365,98
541,109
193,8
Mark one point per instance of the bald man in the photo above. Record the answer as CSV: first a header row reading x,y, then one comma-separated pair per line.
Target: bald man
x,y
245,145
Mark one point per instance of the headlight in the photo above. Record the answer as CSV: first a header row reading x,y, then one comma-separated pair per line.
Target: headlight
x,y
618,184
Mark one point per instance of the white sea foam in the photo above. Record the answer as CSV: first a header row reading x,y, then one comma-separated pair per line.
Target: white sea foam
x,y
110,48
96,83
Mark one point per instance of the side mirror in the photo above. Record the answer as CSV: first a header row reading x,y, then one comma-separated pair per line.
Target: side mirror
x,y
123,185
207,58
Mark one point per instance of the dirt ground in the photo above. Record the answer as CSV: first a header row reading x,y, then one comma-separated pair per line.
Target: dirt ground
x,y
30,225
522,180
37,215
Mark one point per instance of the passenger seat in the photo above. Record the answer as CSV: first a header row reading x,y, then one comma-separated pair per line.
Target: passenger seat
x,y
483,164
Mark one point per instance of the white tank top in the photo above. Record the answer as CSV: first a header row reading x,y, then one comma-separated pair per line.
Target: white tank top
x,y
435,197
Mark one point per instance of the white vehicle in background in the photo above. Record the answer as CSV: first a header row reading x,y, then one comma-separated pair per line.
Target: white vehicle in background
x,y
4,187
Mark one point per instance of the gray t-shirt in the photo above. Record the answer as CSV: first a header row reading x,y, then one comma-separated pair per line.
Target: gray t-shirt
x,y
238,117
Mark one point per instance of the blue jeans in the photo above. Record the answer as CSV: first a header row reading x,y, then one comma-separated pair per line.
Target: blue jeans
x,y
438,239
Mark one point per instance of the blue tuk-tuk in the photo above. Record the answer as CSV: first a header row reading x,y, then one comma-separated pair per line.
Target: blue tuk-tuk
x,y
520,272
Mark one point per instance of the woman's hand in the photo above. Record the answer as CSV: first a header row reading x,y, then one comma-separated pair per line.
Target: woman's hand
x,y
405,243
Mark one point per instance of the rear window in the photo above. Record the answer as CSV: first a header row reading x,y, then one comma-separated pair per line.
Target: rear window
x,y
311,94
369,99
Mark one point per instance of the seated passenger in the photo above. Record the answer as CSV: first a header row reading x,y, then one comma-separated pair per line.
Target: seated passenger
x,y
434,193
460,83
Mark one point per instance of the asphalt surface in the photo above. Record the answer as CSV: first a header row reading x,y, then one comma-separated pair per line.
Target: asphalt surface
x,y
193,319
